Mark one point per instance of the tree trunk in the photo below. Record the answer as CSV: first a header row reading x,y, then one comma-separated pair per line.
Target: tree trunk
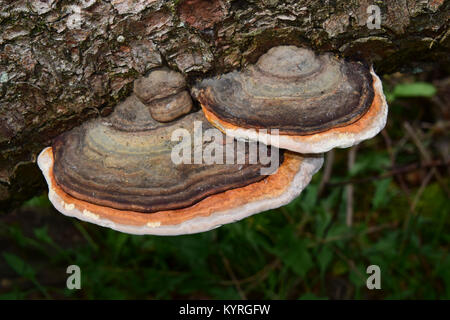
x,y
62,62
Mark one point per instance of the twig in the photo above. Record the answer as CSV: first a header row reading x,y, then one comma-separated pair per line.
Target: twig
x,y
416,140
394,171
370,230
326,172
260,275
412,209
393,157
425,155
350,163
422,187
286,214
233,277
350,263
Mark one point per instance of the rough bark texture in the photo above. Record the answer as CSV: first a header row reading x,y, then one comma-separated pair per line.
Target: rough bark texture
x,y
62,62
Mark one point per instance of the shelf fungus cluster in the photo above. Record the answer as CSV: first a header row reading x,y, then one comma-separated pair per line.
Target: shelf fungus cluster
x,y
124,171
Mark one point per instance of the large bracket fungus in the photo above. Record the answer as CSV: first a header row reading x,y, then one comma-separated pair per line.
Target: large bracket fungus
x,y
119,171
317,102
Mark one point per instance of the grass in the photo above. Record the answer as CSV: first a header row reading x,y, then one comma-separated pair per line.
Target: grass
x,y
305,250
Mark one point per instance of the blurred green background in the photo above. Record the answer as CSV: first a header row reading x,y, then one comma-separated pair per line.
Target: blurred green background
x,y
384,202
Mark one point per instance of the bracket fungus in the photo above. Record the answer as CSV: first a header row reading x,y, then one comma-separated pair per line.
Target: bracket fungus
x,y
164,92
119,171
317,102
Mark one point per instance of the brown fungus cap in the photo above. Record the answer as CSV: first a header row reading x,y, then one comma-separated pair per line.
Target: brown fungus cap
x,y
119,172
164,92
133,170
317,102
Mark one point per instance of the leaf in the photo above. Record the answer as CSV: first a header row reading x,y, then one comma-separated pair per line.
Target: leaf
x,y
416,89
382,194
42,235
294,252
309,198
358,277
37,202
324,258
299,260
339,268
373,161
19,266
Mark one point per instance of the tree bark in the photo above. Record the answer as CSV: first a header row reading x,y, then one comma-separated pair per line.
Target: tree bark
x,y
63,62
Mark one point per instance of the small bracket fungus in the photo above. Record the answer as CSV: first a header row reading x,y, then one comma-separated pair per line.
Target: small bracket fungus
x,y
120,172
317,102
164,92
